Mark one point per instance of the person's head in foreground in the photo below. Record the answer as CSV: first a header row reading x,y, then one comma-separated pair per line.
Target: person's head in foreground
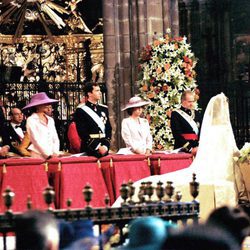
x,y
147,233
201,237
232,219
37,230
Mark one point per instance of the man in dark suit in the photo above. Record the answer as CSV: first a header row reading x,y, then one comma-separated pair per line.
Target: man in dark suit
x,y
185,123
14,130
92,123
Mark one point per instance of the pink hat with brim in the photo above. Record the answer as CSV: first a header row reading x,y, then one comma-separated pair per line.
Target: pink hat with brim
x,y
135,102
39,99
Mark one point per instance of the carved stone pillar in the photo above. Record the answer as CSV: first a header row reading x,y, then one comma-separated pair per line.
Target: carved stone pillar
x,y
128,26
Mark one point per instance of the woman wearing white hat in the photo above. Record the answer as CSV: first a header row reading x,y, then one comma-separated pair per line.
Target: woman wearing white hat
x,y
41,128
136,130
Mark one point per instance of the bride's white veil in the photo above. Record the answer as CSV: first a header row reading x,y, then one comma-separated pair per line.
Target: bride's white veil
x,y
214,160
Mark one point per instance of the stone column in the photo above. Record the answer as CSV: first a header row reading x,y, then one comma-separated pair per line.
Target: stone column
x,y
128,26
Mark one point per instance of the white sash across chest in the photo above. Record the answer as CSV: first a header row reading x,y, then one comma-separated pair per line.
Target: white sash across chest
x,y
97,119
189,119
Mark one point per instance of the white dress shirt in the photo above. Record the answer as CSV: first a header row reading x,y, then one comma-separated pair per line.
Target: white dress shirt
x,y
43,137
136,134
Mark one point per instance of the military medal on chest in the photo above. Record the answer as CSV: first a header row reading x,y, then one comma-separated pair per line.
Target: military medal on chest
x,y
103,117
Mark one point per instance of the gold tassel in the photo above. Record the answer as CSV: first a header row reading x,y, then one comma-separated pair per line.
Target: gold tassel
x,y
4,168
99,164
46,166
59,166
111,162
159,162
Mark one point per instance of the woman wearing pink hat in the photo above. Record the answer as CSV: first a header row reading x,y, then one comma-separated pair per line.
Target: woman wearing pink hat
x,y
136,130
41,128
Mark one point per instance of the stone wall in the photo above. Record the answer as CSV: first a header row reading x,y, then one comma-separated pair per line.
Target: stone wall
x,y
128,26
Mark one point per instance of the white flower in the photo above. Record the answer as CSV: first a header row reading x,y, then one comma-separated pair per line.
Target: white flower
x,y
168,30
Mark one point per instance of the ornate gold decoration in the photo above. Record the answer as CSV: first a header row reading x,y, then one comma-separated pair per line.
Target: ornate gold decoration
x,y
43,11
59,61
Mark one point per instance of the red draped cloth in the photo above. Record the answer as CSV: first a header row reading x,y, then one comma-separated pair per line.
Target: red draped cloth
x,y
25,177
165,163
68,176
128,167
106,167
54,177
75,173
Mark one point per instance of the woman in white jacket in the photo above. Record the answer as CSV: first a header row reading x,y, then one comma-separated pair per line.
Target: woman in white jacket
x,y
135,130
41,128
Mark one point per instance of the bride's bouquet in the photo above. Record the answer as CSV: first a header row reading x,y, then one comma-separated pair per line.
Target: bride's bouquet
x,y
245,153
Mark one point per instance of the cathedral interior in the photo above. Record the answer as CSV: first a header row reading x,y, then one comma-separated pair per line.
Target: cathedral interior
x,y
57,46
61,46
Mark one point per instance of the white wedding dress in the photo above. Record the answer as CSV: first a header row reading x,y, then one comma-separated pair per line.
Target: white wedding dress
x,y
213,164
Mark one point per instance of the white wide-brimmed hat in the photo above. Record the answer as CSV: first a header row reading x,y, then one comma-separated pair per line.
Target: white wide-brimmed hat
x,y
39,99
135,102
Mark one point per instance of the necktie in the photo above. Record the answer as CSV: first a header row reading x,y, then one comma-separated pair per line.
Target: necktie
x,y
18,126
94,107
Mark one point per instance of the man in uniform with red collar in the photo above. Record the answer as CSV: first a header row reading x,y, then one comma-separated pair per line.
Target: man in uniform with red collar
x,y
92,123
185,123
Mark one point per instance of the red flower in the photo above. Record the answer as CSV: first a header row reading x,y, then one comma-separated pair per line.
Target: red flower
x,y
152,80
159,146
186,59
165,87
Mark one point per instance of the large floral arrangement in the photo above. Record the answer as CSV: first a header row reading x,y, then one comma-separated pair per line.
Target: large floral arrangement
x,y
166,69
